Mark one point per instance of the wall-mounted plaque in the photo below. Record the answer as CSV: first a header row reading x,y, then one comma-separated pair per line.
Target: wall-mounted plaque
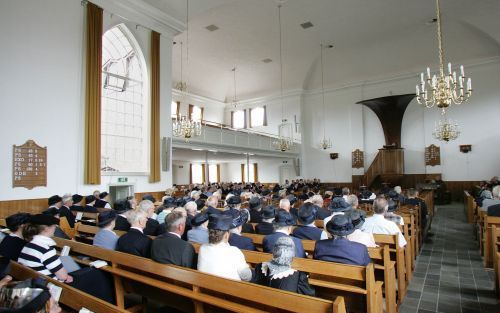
x,y
29,165
432,155
358,159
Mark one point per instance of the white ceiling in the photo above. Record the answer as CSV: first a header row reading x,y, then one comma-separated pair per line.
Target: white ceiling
x,y
190,155
373,39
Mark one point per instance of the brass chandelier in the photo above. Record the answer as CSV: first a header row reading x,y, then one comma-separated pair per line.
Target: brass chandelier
x,y
445,130
443,90
284,142
184,126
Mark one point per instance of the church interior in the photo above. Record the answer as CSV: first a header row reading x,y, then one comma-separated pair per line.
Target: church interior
x,y
250,156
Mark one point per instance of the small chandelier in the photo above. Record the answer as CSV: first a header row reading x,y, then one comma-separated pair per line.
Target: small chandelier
x,y
285,129
446,130
325,144
235,101
186,128
443,90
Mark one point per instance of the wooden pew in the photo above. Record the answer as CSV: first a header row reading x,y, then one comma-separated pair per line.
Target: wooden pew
x,y
469,205
481,229
70,297
495,240
489,221
198,288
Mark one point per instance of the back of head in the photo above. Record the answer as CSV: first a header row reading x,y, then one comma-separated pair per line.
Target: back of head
x,y
317,200
284,203
146,206
283,251
173,220
307,213
17,220
67,198
213,201
398,189
352,200
496,191
380,205
122,205
191,207
135,216
345,191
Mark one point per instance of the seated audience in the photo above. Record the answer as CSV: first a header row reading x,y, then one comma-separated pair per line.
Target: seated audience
x,y
255,207
77,203
283,224
123,209
321,213
169,248
65,209
327,198
165,209
338,206
495,199
377,224
103,201
106,237
358,219
152,226
390,215
278,273
212,203
494,210
11,245
218,257
265,227
191,210
307,229
89,204
413,199
199,231
40,255
345,193
399,191
235,237
135,241
339,249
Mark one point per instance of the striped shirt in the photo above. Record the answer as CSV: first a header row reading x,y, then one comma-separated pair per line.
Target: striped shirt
x,y
40,255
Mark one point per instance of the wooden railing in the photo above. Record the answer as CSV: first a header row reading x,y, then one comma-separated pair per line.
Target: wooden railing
x,y
388,162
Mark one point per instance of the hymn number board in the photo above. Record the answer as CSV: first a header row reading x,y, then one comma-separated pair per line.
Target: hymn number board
x,y
29,165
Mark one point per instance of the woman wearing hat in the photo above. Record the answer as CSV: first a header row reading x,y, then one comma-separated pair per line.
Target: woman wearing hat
x,y
11,246
199,232
235,237
106,237
278,273
283,223
307,229
40,255
358,219
218,257
339,249
265,227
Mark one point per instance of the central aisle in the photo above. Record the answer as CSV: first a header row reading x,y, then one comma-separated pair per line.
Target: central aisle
x,y
449,276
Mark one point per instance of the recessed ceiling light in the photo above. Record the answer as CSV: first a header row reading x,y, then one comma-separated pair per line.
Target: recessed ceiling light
x,y
268,60
212,27
306,25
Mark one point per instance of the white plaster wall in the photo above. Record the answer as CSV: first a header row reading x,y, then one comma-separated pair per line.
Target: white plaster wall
x,y
213,110
180,173
42,92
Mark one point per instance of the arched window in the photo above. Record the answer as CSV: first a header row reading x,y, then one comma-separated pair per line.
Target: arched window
x,y
124,110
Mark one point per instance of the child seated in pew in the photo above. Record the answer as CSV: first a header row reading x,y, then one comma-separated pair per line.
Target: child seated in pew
x,y
278,272
40,255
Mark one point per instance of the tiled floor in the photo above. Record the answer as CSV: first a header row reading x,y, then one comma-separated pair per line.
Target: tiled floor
x,y
449,275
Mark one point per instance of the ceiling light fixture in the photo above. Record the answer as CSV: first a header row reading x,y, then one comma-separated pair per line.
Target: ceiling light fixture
x,y
325,143
235,101
446,130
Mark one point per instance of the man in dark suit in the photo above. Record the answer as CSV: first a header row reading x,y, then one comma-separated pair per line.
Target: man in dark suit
x,y
235,237
134,241
89,204
255,207
340,249
65,209
283,223
307,229
169,248
77,203
152,226
265,227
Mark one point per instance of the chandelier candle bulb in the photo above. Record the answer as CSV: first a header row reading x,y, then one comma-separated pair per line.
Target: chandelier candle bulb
x,y
462,70
428,74
449,68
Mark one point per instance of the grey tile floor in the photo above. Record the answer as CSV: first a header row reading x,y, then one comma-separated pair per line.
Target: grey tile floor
x,y
449,275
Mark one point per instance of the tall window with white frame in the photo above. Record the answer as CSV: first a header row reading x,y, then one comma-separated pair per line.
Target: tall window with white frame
x,y
238,119
212,173
257,117
196,173
124,135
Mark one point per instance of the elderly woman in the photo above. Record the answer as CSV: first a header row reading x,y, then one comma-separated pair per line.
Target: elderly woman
x,y
278,272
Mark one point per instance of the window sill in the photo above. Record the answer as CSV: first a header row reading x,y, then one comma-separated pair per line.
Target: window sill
x,y
124,174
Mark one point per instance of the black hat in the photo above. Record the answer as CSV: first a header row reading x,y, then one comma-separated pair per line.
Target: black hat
x,y
169,202
283,218
338,204
357,217
393,205
340,225
44,219
292,199
393,194
268,212
89,199
77,198
211,210
51,211
266,192
203,196
106,217
14,221
103,195
337,191
307,213
200,203
366,194
220,222
54,199
149,197
180,202
100,204
239,218
234,200
199,219
254,203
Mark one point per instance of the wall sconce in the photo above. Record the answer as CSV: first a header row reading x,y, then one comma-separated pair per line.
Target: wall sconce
x,y
465,148
334,156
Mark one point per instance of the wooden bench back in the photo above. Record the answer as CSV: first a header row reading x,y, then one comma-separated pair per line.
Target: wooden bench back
x,y
495,243
489,221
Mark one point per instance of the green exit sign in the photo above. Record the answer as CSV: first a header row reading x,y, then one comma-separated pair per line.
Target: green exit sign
x,y
122,179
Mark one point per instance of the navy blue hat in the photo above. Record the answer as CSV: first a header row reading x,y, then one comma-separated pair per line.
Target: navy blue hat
x,y
268,212
239,218
51,211
234,200
200,203
393,194
89,199
14,221
357,217
340,225
292,199
211,210
220,222
199,219
54,199
307,213
44,219
149,197
106,217
77,198
103,194
169,202
283,218
254,203
338,204
180,202
393,205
